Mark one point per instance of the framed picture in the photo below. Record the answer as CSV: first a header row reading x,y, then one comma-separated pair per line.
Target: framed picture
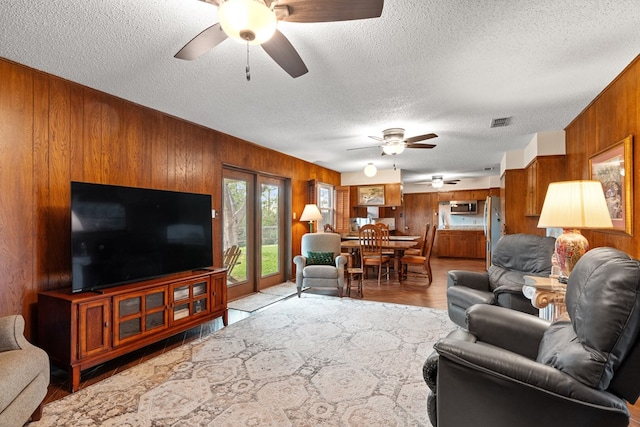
x,y
371,195
613,167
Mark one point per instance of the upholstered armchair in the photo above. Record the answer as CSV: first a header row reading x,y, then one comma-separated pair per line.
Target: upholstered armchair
x,y
515,256
320,264
25,374
514,369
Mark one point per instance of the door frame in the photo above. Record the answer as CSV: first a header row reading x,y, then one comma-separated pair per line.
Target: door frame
x,y
286,267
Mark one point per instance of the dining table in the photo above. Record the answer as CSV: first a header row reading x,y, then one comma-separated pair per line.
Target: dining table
x,y
398,247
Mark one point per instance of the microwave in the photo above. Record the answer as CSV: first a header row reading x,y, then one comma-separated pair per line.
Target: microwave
x,y
463,207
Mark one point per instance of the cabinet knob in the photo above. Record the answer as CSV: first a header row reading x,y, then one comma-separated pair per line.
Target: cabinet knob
x,y
106,324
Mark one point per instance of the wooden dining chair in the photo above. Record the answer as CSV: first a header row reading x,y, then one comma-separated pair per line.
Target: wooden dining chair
x,y
423,246
425,260
384,230
371,250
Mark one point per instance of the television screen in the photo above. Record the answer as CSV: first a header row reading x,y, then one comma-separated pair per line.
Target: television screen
x,y
124,234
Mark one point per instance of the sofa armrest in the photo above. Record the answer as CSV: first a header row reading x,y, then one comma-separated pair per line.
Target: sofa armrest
x,y
512,330
519,375
12,333
470,279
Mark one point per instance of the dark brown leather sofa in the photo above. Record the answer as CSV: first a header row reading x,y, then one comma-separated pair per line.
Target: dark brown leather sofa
x,y
515,369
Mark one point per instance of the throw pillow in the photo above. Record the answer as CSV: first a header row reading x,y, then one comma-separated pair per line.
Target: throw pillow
x,y
320,258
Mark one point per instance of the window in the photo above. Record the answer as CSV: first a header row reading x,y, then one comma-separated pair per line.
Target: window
x,y
325,204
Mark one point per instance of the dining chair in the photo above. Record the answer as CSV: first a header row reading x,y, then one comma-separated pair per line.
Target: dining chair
x,y
424,260
371,250
420,251
384,230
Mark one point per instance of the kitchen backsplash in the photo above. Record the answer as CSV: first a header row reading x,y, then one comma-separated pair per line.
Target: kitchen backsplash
x,y
446,220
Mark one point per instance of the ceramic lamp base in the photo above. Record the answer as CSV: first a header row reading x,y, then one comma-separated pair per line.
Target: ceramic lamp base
x,y
570,246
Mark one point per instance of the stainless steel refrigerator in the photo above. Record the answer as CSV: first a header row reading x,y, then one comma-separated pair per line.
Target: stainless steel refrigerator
x,y
492,224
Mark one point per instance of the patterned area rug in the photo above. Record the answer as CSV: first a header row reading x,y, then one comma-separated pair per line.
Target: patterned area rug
x,y
310,361
264,298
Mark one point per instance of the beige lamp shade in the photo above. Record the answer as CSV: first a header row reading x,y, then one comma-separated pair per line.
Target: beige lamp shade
x,y
575,204
572,205
310,213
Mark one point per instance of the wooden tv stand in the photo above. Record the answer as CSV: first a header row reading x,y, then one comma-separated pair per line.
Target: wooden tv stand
x,y
82,330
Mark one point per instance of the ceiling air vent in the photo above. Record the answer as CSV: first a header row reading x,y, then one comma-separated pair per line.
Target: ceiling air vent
x,y
500,123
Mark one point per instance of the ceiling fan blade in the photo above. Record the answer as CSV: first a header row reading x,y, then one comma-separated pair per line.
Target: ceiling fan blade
x,y
363,148
377,138
282,51
202,43
420,145
330,10
420,138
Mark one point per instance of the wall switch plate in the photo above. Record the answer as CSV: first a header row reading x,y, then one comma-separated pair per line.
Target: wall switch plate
x,y
214,213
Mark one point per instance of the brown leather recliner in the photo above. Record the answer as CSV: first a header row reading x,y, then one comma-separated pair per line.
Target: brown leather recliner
x,y
515,256
512,369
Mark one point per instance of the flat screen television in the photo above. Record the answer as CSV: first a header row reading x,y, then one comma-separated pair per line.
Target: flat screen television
x,y
125,234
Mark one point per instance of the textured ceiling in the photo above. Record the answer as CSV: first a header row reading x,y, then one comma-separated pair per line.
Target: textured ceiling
x,y
447,67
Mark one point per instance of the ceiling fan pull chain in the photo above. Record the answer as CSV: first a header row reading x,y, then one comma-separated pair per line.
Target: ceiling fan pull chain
x,y
248,70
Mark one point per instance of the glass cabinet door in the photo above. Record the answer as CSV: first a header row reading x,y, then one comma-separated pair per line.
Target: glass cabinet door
x,y
137,313
190,299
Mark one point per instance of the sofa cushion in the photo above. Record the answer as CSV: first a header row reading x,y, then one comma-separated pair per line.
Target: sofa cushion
x,y
524,252
320,271
604,308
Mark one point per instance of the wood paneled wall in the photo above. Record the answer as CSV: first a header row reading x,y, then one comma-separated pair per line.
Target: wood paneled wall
x,y
53,131
611,117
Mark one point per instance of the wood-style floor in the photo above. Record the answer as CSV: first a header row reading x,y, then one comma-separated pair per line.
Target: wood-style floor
x,y
413,291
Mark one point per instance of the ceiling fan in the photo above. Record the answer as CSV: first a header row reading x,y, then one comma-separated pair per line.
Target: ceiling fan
x,y
438,181
394,142
255,21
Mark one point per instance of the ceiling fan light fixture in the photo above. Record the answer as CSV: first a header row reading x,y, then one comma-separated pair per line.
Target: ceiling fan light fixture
x,y
370,170
247,21
437,181
393,148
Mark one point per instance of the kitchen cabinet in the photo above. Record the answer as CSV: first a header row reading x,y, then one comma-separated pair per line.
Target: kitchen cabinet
x,y
461,243
541,172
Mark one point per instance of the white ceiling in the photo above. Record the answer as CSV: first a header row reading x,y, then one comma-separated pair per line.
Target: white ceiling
x,y
447,67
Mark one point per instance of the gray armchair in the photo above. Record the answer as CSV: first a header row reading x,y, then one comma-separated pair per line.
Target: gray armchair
x,y
513,369
515,256
25,374
320,264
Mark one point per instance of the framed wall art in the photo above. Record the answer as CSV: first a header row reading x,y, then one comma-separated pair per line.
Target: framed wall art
x,y
613,167
371,195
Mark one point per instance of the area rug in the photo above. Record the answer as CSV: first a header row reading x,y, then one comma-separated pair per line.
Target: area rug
x,y
310,361
264,298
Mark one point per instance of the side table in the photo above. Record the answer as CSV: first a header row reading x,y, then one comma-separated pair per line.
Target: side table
x,y
546,294
354,273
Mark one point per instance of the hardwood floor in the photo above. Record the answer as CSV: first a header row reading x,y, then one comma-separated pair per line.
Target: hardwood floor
x,y
413,291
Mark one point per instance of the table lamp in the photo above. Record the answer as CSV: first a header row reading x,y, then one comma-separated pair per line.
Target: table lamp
x,y
311,213
572,205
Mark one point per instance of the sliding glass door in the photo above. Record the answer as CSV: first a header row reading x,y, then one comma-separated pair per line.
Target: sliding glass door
x,y
253,231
